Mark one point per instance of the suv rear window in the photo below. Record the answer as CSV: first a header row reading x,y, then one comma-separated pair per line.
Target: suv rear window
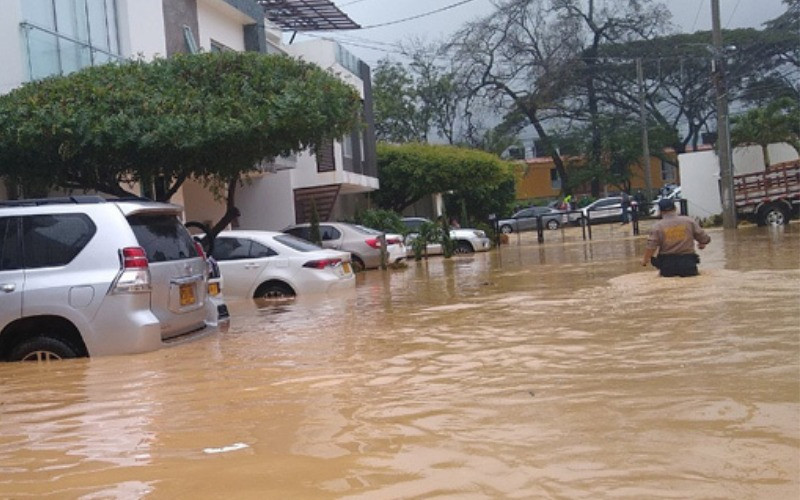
x,y
54,239
163,237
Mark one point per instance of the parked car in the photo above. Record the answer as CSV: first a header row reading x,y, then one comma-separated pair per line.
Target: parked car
x,y
466,240
268,264
361,242
601,210
674,194
526,219
84,276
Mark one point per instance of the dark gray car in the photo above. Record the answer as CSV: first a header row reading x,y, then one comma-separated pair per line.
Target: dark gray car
x,y
525,220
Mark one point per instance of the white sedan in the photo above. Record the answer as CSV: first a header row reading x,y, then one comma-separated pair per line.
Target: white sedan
x,y
267,264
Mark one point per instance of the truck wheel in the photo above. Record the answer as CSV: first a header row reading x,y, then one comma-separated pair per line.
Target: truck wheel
x,y
773,214
42,348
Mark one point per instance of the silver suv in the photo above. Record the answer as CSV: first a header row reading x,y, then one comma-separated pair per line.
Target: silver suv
x,y
84,276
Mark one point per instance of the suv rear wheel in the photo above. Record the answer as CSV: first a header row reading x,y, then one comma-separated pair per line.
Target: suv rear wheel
x,y
42,348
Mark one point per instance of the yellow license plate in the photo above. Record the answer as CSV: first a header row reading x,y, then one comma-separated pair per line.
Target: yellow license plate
x,y
213,289
187,295
346,267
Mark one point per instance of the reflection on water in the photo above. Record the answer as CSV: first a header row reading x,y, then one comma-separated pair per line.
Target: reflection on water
x,y
563,370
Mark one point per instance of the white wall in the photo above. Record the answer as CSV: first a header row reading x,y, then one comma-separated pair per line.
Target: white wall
x,y
199,204
220,22
700,183
141,28
267,202
12,60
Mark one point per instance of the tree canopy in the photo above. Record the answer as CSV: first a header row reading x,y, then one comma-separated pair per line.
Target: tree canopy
x,y
206,116
779,121
409,172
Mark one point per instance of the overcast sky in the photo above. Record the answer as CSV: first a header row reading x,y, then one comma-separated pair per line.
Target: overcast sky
x,y
687,15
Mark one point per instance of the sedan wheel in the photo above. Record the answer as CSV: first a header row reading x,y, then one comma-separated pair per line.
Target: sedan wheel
x,y
463,247
506,229
274,291
552,224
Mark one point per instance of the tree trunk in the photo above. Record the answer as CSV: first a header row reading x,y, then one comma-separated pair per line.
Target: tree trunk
x,y
231,212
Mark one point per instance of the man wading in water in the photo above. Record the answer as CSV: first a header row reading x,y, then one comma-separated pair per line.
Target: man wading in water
x,y
674,236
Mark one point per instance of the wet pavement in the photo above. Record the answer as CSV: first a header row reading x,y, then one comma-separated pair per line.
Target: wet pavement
x,y
562,370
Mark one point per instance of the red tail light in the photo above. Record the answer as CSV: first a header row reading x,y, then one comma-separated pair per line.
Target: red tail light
x,y
200,251
393,240
373,242
134,258
322,263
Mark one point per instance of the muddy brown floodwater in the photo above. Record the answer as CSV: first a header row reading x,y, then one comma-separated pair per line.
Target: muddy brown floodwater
x,y
563,370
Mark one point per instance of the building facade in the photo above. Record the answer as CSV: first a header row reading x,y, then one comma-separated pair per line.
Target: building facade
x,y
57,37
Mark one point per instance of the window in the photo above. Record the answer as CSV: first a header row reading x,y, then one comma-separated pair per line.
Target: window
x,y
163,237
62,36
296,243
303,232
328,233
10,254
668,173
240,248
347,146
555,180
54,240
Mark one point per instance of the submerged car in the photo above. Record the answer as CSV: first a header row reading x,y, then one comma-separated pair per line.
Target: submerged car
x,y
527,220
674,195
85,276
363,243
268,264
602,210
465,240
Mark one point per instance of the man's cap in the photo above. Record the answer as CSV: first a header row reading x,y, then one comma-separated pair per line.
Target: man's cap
x,y
666,204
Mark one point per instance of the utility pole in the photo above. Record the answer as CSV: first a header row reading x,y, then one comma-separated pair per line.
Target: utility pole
x,y
648,181
723,134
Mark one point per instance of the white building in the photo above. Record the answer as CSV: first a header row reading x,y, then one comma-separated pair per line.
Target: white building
x,y
47,37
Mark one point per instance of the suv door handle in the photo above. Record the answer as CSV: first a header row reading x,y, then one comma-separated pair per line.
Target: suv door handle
x,y
8,287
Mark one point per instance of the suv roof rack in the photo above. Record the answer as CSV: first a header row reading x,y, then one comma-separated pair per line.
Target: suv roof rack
x,y
85,199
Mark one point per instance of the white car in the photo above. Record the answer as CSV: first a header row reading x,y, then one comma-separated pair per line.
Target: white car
x,y
465,240
363,243
268,264
673,195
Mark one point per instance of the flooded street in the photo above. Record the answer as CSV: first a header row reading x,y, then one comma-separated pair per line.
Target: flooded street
x,y
562,370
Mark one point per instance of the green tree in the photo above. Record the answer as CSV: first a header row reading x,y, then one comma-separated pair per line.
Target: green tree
x,y
417,98
777,122
213,117
409,172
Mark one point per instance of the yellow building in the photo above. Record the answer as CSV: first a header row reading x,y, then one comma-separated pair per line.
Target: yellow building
x,y
537,178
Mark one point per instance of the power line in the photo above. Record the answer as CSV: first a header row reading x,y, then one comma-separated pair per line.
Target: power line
x,y
732,13
418,16
697,16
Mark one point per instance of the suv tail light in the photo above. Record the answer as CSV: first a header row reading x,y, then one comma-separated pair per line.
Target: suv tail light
x,y
134,273
322,263
200,251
